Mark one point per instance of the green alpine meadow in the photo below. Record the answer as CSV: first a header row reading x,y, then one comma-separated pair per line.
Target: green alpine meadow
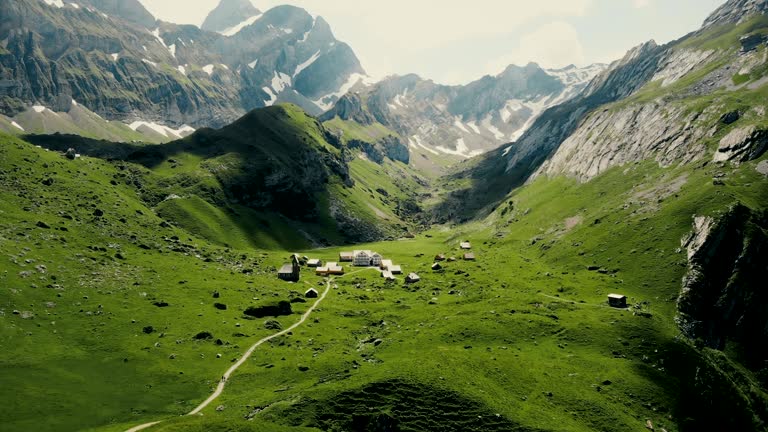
x,y
230,226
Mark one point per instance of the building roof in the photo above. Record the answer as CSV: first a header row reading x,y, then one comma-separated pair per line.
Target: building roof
x,y
466,245
310,291
469,256
387,274
346,254
313,261
395,269
617,296
386,264
413,276
286,269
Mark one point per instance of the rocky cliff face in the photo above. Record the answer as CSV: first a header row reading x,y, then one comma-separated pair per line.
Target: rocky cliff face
x,y
723,300
113,58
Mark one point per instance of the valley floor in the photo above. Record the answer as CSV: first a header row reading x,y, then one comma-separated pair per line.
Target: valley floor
x,y
141,318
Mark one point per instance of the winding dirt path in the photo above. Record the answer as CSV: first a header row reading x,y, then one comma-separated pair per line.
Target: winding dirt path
x,y
243,359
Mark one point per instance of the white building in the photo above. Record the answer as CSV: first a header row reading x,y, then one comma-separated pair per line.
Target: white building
x,y
366,258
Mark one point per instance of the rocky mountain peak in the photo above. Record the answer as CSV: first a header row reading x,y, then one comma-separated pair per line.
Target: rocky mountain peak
x,y
128,10
736,11
228,14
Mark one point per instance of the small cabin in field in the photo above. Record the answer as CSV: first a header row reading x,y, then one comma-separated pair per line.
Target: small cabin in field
x,y
311,293
396,269
290,272
469,257
314,263
440,257
412,278
366,258
466,245
617,301
436,266
346,256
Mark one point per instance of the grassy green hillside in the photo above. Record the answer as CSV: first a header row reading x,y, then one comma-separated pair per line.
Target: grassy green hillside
x,y
106,309
275,161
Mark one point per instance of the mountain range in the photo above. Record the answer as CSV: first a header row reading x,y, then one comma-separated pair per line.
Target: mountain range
x,y
162,80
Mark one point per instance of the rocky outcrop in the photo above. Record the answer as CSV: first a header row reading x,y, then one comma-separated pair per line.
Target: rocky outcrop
x,y
723,300
228,14
736,11
350,108
742,144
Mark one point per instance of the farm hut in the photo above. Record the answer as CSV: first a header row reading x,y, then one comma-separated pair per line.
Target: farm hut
x,y
412,278
440,257
329,269
396,269
314,263
469,257
311,293
466,245
346,257
617,301
436,266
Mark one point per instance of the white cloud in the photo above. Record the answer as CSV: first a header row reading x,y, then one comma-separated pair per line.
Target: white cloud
x,y
639,4
552,45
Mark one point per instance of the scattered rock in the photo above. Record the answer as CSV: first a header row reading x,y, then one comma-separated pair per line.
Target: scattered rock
x,y
220,306
148,329
71,153
762,168
204,335
303,368
220,408
43,225
161,304
47,182
731,117
216,294
98,213
272,325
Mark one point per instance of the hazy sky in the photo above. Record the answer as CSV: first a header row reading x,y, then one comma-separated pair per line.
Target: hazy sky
x,y
456,41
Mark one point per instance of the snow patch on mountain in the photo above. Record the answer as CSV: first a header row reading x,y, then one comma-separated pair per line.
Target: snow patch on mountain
x,y
272,96
236,28
281,81
326,102
306,64
161,129
57,3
